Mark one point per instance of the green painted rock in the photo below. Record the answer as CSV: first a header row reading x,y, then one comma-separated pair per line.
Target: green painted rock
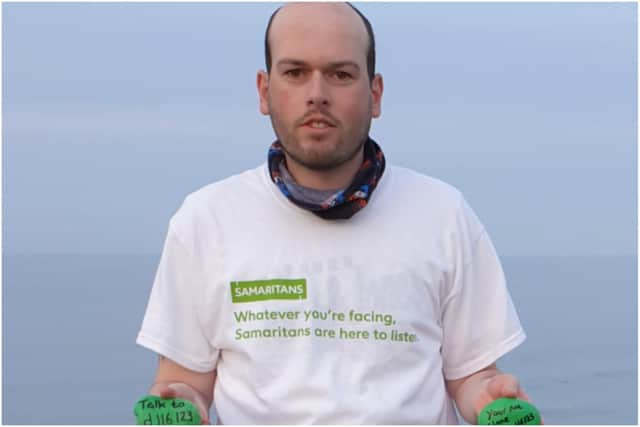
x,y
509,411
154,410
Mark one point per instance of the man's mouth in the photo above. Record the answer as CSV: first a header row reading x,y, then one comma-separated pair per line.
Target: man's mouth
x,y
318,125
318,122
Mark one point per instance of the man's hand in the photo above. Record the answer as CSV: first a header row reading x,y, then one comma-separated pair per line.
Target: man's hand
x,y
501,385
175,381
182,391
476,391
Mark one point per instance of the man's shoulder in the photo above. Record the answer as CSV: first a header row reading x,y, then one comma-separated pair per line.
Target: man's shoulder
x,y
203,202
434,199
243,182
409,181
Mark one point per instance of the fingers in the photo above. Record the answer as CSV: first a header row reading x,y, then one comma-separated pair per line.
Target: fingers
x,y
524,396
504,385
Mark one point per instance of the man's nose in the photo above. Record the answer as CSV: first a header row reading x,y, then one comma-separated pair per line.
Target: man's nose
x,y
318,91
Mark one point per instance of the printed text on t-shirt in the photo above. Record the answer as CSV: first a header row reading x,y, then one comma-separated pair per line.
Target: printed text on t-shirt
x,y
349,328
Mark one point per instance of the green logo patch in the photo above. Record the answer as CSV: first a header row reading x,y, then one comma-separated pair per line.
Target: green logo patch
x,y
263,290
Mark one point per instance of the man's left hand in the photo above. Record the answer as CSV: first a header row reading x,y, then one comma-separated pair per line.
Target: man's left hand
x,y
474,392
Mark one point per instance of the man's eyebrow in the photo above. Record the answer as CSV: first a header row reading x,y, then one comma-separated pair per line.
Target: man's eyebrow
x,y
340,64
331,65
288,61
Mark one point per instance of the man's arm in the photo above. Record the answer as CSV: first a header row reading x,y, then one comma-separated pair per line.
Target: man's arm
x,y
173,380
474,392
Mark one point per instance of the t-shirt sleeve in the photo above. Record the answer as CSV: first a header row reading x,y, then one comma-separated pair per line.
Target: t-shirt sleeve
x,y
479,320
172,324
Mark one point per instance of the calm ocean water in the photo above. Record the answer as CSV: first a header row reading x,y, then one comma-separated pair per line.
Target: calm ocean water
x,y
70,322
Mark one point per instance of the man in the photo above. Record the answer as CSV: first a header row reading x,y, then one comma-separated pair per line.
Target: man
x,y
327,286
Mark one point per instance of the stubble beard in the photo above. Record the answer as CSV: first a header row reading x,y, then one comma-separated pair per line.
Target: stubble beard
x,y
321,160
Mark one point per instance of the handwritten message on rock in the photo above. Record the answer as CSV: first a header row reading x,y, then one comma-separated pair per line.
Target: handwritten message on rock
x,y
154,410
508,411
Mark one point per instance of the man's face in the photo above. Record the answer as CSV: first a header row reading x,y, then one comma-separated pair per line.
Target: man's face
x,y
318,93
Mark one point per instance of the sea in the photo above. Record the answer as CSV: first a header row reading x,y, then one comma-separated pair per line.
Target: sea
x,y
69,324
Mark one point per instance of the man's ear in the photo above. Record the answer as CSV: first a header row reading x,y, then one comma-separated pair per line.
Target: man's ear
x,y
262,82
377,86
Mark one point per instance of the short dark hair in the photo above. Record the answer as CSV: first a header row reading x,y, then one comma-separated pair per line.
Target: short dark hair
x,y
371,50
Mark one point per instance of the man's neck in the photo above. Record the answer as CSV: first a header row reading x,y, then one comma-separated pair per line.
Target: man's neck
x,y
339,177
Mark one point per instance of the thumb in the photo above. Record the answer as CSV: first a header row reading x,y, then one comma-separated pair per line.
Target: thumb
x,y
182,391
163,391
167,392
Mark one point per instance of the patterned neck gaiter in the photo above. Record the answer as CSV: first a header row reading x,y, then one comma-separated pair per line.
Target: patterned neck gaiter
x,y
345,203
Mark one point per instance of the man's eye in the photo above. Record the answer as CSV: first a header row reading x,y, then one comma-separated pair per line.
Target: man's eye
x,y
342,76
295,72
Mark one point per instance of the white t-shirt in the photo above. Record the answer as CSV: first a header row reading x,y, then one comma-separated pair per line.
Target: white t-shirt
x,y
307,320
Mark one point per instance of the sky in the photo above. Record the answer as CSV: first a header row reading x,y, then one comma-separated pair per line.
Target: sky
x,y
114,112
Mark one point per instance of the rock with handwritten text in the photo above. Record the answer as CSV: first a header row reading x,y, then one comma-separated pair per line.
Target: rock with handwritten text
x,y
508,411
154,410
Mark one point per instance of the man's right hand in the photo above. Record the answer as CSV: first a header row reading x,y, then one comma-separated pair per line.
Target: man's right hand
x,y
175,381
182,391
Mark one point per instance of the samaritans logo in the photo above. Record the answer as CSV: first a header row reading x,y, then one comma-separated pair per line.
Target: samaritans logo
x,y
262,290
